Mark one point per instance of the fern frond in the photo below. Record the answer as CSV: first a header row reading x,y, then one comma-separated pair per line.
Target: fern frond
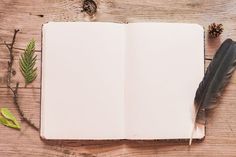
x,y
27,63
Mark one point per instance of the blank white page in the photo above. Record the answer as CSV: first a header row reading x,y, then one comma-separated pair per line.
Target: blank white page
x,y
82,81
164,65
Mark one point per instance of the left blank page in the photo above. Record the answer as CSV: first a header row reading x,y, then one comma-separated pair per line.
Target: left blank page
x,y
82,81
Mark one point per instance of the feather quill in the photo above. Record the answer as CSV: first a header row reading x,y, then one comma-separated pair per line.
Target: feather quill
x,y
215,79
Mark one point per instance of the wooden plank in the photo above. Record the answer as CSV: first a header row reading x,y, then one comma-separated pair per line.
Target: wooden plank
x,y
29,16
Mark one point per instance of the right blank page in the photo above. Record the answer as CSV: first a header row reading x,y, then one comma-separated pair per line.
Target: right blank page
x,y
164,65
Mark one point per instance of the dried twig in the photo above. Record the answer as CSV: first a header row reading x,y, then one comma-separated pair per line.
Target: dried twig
x,y
15,90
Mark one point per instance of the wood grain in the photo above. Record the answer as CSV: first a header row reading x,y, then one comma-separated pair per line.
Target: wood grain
x,y
29,15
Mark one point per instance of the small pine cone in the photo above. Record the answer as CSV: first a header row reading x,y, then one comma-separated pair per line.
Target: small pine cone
x,y
215,30
90,7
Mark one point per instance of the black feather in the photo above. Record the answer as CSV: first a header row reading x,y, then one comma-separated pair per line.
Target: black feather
x,y
216,78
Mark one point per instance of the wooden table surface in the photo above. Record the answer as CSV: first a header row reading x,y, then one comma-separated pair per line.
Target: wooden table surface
x,y
29,15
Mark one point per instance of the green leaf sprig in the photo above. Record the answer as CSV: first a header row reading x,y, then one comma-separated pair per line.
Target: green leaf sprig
x,y
7,119
27,63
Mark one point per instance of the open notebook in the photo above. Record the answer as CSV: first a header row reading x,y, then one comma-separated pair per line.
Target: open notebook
x,y
120,81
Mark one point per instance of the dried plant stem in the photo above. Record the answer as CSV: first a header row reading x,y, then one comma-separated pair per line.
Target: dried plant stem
x,y
15,90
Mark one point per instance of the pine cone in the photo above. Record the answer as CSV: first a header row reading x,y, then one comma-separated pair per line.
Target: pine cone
x,y
215,30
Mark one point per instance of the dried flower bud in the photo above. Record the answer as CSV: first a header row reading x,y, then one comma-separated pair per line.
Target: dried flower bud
x,y
215,30
90,7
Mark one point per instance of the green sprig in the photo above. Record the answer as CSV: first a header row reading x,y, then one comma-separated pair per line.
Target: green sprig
x,y
27,63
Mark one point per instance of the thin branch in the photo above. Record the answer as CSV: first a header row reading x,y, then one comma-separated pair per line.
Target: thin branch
x,y
10,63
7,45
15,90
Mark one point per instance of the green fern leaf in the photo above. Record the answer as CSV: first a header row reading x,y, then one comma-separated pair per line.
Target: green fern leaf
x,y
27,63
